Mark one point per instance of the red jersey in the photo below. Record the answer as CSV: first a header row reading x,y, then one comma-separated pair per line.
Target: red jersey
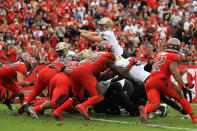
x,y
161,64
99,62
51,56
9,71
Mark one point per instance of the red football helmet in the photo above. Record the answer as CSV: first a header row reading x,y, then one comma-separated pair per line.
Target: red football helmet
x,y
30,62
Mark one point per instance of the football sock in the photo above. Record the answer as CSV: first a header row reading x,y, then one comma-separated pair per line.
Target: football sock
x,y
187,107
93,100
65,105
150,108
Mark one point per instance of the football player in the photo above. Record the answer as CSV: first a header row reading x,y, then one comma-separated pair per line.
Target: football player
x,y
84,77
165,64
106,34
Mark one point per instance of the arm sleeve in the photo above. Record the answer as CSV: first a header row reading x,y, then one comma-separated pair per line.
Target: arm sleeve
x,y
22,68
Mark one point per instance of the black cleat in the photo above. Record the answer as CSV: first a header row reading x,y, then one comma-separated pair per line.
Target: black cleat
x,y
8,104
164,110
21,110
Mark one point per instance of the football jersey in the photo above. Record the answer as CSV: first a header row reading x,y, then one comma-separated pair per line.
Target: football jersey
x,y
137,72
98,62
9,71
161,64
111,38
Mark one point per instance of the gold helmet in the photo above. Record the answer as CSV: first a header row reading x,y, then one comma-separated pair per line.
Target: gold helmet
x,y
105,23
85,54
61,49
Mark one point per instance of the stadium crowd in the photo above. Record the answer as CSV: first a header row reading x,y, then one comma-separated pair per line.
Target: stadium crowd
x,y
94,52
142,27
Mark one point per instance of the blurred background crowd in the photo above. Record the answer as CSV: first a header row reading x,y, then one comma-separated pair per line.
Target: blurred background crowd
x,y
142,27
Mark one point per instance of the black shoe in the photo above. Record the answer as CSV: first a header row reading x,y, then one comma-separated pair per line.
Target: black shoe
x,y
8,104
21,110
163,109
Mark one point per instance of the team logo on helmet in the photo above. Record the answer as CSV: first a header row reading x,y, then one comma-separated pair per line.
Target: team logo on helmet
x,y
84,54
106,23
62,49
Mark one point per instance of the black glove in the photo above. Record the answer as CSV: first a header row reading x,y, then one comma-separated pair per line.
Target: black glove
x,y
32,83
73,32
62,69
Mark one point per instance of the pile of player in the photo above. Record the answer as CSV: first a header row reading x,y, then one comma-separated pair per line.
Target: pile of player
x,y
101,80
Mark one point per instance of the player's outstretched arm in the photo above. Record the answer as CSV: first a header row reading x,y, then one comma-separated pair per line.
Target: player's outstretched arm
x,y
175,73
21,81
89,32
91,37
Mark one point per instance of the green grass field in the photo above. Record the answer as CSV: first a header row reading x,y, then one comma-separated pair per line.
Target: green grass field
x,y
11,121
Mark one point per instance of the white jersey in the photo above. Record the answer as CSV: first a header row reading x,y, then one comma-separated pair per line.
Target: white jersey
x,y
110,37
137,72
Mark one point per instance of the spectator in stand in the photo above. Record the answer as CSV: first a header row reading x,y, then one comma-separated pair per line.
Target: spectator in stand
x,y
60,30
12,53
51,55
82,44
187,79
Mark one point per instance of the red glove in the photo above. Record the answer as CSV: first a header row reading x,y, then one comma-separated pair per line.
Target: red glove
x,y
132,62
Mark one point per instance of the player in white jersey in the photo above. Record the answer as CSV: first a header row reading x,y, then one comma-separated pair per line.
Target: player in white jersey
x,y
106,34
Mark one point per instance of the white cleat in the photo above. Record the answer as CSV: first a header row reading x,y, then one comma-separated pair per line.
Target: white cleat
x,y
186,117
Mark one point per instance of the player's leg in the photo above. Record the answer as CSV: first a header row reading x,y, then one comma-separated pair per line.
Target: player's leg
x,y
77,90
174,92
89,82
173,104
153,96
116,92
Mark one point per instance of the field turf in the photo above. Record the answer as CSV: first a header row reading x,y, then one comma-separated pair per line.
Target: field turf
x,y
11,121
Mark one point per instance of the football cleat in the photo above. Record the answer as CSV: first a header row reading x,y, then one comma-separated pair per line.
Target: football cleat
x,y
143,115
163,108
83,111
32,111
21,110
8,104
186,117
152,115
57,116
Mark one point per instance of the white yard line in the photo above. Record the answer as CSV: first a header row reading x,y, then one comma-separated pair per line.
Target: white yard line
x,y
135,123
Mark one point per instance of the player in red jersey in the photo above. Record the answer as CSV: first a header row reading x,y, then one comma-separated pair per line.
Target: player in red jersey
x,y
12,76
58,91
45,75
165,64
84,77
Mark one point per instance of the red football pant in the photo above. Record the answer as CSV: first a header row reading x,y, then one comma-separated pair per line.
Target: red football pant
x,y
81,79
59,89
2,93
42,82
10,85
155,86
